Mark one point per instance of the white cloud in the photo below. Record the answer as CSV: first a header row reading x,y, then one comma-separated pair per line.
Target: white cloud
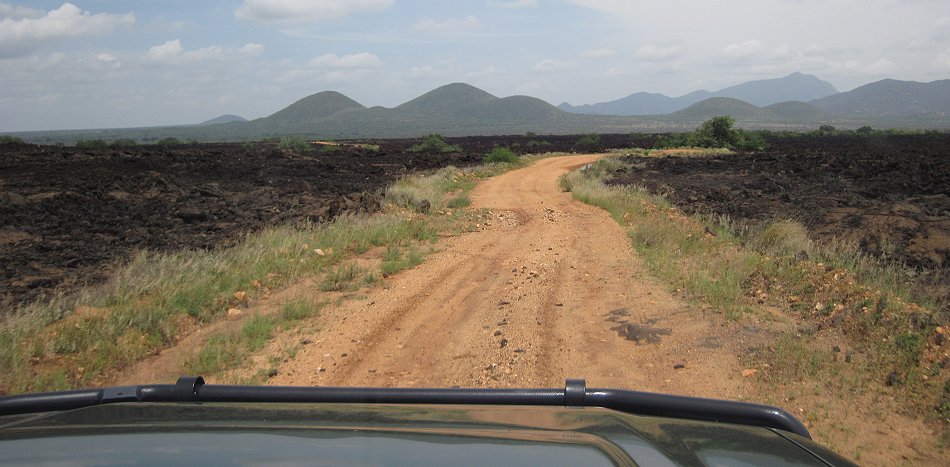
x,y
24,30
879,67
659,53
422,71
15,11
172,52
104,57
529,87
615,72
491,70
513,4
359,60
599,53
452,25
56,58
942,60
306,11
549,65
166,52
742,49
251,49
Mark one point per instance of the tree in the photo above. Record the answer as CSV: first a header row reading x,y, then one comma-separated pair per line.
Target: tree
x,y
718,132
500,154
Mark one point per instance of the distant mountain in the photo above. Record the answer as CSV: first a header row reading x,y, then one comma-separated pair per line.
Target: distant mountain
x,y
641,103
794,87
715,106
795,111
315,107
891,99
446,100
462,110
226,118
787,112
450,109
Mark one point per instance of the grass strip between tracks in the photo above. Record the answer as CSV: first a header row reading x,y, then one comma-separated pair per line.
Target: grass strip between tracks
x,y
85,338
894,346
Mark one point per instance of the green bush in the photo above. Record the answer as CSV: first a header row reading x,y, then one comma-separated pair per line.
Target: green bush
x,y
535,143
717,132
434,143
588,142
91,144
123,143
500,154
6,139
294,143
168,141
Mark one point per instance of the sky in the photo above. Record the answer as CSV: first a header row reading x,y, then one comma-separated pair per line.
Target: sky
x,y
107,64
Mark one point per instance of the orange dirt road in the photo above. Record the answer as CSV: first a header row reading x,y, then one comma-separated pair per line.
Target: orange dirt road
x,y
541,292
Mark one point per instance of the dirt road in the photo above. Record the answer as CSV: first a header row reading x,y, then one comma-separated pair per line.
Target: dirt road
x,y
548,288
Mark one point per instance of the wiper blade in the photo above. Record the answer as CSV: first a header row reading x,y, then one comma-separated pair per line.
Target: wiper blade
x,y
574,394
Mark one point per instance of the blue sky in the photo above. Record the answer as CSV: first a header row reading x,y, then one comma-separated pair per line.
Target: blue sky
x,y
101,63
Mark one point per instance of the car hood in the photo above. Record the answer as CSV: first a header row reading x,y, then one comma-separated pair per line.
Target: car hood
x,y
386,434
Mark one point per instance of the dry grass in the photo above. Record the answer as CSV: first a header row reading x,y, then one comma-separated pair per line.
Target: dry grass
x,y
153,299
822,287
84,338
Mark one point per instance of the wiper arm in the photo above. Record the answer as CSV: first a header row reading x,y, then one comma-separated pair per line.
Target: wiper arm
x,y
574,394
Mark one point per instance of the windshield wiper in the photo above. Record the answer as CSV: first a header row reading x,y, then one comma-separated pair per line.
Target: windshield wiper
x,y
574,394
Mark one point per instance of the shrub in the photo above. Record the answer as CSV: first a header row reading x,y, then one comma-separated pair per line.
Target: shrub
x,y
123,143
588,142
535,143
294,143
168,141
6,139
783,238
500,154
435,143
459,202
91,144
717,132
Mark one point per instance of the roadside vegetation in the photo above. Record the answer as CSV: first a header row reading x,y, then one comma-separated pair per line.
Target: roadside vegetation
x,y
435,143
717,132
893,337
232,347
500,154
295,144
86,338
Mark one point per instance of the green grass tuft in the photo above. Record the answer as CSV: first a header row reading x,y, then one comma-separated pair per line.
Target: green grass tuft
x,y
500,154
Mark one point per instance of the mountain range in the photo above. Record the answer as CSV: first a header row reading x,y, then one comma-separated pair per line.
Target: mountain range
x,y
794,87
462,109
795,101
